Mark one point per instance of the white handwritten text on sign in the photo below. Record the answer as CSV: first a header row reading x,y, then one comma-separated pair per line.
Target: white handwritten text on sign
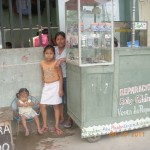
x,y
134,100
5,137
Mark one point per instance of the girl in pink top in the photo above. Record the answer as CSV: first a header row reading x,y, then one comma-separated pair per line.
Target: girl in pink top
x,y
53,87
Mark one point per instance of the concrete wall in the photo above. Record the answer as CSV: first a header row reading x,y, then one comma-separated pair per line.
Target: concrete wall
x,y
144,11
19,68
61,8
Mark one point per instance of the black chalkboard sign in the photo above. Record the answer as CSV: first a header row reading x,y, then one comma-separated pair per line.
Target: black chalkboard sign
x,y
5,137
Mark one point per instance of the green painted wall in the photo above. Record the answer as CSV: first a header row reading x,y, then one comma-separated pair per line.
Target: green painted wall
x,y
125,10
102,99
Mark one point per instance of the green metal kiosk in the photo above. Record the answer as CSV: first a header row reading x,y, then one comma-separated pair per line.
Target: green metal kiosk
x,y
108,89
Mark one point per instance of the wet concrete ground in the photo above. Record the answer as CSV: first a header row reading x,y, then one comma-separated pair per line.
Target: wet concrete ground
x,y
39,142
71,139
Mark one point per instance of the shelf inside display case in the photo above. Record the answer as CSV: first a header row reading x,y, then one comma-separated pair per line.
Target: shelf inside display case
x,y
89,32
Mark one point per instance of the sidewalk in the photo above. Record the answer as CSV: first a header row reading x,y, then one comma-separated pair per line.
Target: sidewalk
x,y
35,141
71,139
40,142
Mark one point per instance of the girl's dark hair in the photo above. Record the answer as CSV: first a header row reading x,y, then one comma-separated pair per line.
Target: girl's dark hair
x,y
44,31
60,33
22,90
49,47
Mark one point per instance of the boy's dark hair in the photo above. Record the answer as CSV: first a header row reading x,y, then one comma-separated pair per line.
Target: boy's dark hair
x,y
8,45
60,33
22,90
49,47
115,42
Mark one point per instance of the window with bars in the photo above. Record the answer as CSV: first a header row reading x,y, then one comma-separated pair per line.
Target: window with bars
x,y
22,20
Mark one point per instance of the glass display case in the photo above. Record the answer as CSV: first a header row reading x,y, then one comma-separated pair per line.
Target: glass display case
x,y
100,97
89,32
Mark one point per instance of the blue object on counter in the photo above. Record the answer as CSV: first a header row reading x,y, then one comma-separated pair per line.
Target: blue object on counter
x,y
136,43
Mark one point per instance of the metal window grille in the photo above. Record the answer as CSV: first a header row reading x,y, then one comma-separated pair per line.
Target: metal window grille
x,y
22,19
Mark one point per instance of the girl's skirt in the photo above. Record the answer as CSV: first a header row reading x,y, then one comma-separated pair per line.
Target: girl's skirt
x,y
50,94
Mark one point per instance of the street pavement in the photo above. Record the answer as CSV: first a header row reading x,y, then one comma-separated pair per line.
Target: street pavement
x,y
71,140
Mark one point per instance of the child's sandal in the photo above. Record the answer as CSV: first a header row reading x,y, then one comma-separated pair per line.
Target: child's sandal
x,y
68,124
61,122
44,129
58,131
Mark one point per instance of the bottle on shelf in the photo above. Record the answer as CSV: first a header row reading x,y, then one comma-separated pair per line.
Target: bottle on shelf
x,y
84,40
96,40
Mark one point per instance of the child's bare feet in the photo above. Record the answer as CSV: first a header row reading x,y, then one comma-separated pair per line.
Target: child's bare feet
x,y
39,131
27,132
